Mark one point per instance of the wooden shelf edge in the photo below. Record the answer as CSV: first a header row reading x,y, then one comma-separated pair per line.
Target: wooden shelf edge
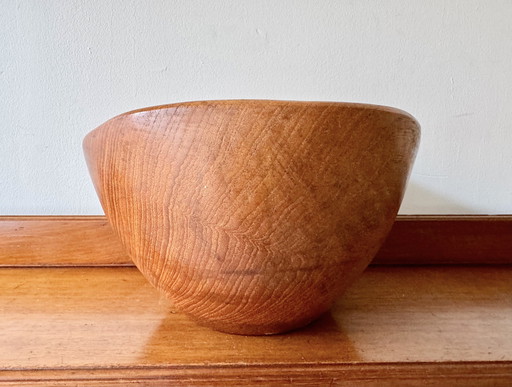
x,y
383,374
396,326
415,239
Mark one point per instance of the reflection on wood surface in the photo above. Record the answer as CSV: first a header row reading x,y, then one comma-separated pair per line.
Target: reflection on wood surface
x,y
101,325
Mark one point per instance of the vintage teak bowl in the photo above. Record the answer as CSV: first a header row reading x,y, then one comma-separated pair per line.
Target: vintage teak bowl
x,y
253,216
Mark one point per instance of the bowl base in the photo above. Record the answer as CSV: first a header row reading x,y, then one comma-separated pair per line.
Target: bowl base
x,y
259,329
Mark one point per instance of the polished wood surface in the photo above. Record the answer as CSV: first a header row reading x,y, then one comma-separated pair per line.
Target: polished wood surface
x,y
253,216
396,326
59,241
452,239
414,239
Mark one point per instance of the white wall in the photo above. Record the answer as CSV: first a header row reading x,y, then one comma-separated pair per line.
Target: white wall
x,y
67,66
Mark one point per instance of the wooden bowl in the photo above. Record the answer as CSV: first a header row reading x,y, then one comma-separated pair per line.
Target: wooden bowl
x,y
253,216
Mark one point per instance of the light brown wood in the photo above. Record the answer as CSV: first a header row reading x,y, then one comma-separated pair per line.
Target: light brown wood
x,y
414,239
253,216
59,241
396,326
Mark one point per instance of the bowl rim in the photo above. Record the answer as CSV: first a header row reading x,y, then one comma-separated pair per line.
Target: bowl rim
x,y
354,105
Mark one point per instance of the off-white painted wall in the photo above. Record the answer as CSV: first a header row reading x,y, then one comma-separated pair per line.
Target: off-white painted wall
x,y
67,66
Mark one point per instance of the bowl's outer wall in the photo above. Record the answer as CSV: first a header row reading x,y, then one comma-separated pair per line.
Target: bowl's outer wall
x,y
253,216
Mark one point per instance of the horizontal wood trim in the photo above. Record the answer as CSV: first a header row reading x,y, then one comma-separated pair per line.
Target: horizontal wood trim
x,y
59,241
496,374
419,239
448,239
396,326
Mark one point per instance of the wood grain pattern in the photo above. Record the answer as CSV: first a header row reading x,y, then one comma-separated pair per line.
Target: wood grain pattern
x,y
414,239
396,326
59,241
253,216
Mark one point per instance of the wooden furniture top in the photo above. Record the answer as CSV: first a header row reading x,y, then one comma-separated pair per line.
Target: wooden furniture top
x,y
398,325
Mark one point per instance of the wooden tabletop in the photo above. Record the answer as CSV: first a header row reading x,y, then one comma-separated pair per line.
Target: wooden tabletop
x,y
398,325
